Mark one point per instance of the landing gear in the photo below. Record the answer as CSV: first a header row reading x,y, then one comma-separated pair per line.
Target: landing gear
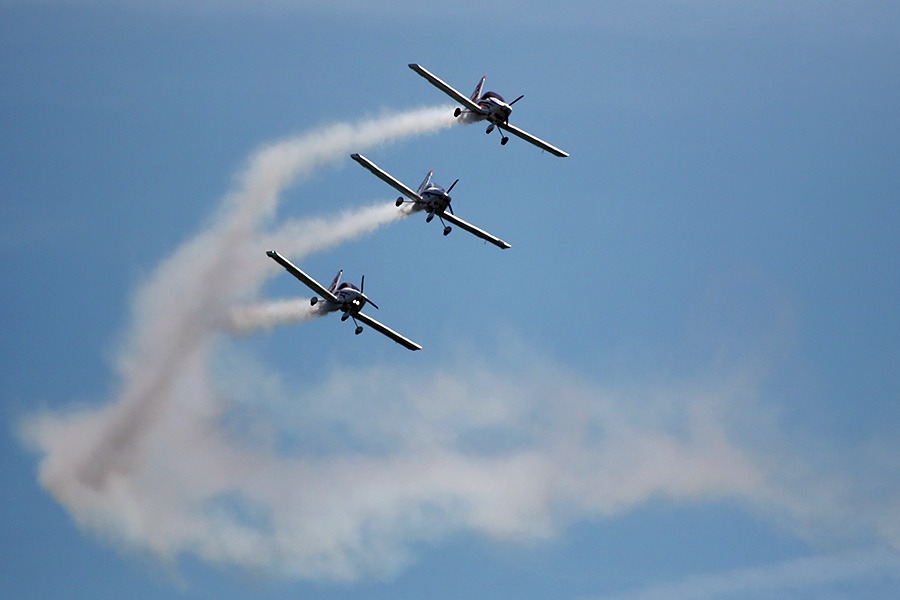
x,y
358,330
313,300
457,112
447,230
429,217
345,316
503,138
399,201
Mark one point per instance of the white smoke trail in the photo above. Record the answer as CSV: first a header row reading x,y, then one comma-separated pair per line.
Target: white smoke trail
x,y
250,318
96,462
298,238
345,478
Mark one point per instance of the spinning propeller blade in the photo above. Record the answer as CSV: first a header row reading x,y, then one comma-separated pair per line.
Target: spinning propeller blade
x,y
362,287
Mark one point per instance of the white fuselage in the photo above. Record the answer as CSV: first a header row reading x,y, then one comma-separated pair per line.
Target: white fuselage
x,y
349,300
494,109
435,199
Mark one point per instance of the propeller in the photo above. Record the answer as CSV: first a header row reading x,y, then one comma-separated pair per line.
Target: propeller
x,y
447,195
517,99
362,287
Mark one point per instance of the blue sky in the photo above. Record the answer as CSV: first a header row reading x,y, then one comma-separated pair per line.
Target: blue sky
x,y
680,382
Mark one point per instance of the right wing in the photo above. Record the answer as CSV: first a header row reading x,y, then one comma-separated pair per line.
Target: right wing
x,y
386,177
533,140
309,281
475,231
384,329
446,89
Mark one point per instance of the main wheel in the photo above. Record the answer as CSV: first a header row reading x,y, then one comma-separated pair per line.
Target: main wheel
x,y
503,140
447,230
399,201
457,112
313,300
358,330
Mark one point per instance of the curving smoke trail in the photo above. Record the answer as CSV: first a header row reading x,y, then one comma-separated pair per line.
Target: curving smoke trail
x,y
298,238
205,453
94,461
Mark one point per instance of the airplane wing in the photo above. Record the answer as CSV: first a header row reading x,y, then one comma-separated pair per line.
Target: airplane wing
x,y
439,84
386,177
387,331
475,231
309,281
533,140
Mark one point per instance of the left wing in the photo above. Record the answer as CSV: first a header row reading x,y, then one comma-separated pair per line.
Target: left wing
x,y
387,331
387,177
306,279
446,88
532,139
475,231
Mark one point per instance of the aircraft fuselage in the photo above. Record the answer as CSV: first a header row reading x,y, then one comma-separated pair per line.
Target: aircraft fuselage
x,y
436,199
493,108
349,300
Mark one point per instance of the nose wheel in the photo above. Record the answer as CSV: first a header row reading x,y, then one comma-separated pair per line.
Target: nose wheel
x,y
503,138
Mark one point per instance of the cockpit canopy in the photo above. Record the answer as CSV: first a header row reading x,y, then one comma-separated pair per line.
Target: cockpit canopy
x,y
346,285
494,95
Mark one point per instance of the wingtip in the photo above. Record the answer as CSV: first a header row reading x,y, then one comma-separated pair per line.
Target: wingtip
x,y
271,253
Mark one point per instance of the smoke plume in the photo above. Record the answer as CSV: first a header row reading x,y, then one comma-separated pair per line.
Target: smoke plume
x,y
250,318
98,462
205,451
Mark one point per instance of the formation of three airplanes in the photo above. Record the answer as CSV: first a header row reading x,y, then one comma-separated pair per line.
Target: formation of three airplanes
x,y
430,197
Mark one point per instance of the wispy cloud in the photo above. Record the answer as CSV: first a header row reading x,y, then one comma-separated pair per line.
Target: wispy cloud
x,y
802,577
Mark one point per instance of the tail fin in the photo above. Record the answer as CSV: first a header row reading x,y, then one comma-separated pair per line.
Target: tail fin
x,y
425,182
477,93
335,281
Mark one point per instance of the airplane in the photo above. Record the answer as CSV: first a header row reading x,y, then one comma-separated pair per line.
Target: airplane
x,y
431,198
490,107
344,297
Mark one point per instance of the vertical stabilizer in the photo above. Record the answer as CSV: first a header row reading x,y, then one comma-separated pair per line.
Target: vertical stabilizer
x,y
425,182
477,93
335,281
